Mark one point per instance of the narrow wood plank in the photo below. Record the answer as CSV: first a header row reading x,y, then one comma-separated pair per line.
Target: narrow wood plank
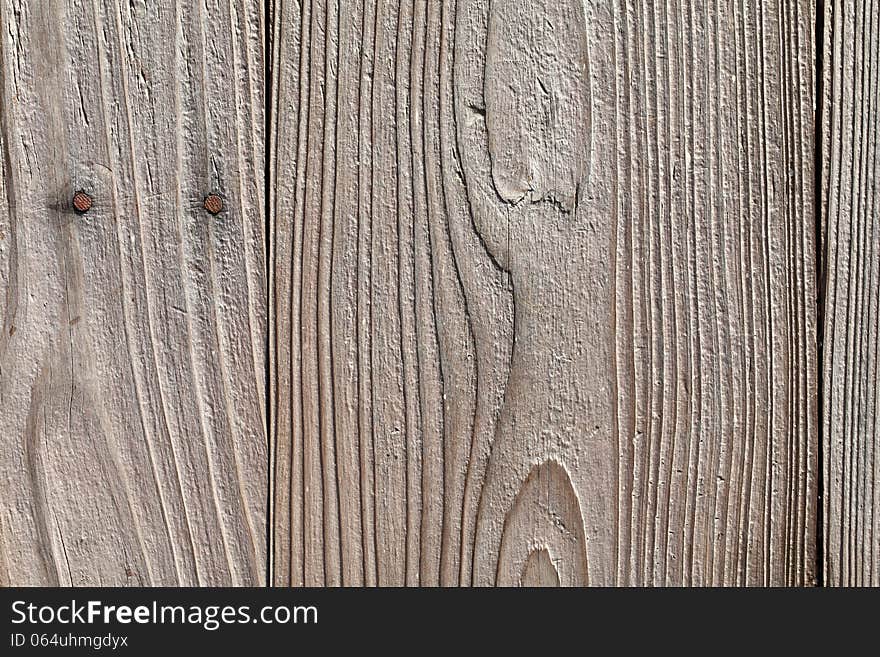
x,y
850,138
133,444
544,293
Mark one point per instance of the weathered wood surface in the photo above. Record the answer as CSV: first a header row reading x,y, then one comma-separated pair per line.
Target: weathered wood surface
x,y
544,292
850,139
133,443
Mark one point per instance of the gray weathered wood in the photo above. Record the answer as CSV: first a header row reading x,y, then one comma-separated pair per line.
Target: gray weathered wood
x,y
850,140
544,292
132,428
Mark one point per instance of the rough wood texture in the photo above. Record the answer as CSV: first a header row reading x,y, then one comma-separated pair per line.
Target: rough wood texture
x,y
850,139
543,292
133,442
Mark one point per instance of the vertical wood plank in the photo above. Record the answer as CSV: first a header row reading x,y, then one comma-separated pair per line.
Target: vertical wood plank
x,y
850,101
133,444
544,293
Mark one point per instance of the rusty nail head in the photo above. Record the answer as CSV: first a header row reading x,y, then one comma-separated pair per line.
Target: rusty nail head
x,y
213,203
82,202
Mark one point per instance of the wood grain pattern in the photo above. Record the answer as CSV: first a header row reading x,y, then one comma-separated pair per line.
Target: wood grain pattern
x,y
544,292
850,138
133,444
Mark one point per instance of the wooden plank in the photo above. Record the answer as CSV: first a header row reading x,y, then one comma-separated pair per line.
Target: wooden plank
x,y
133,444
544,287
850,137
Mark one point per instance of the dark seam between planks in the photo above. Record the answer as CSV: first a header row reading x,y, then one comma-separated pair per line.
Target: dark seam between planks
x,y
269,250
820,256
